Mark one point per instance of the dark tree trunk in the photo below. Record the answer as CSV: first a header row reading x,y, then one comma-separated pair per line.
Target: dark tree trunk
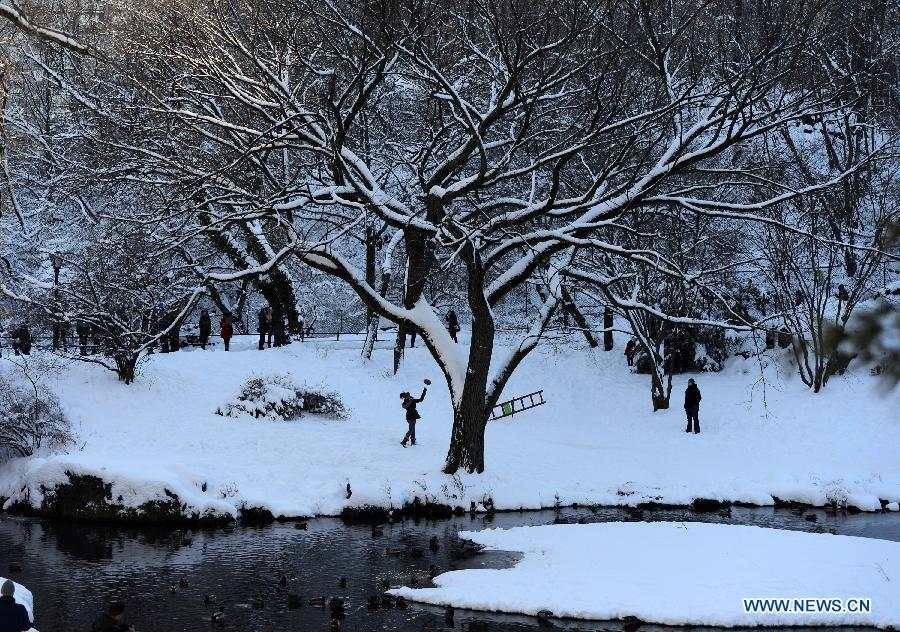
x,y
372,327
467,440
125,366
417,269
281,295
580,320
371,316
659,393
275,296
607,329
399,347
371,253
470,414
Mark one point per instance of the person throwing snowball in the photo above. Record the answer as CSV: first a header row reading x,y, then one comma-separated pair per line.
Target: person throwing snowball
x,y
412,415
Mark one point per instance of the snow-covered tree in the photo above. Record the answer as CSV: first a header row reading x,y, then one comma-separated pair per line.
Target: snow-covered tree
x,y
425,154
495,140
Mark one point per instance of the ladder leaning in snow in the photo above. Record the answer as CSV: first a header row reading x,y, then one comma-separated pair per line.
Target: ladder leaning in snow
x,y
518,404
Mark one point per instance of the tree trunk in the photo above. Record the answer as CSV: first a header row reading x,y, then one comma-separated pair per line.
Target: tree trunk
x,y
284,295
264,283
660,394
371,337
580,320
371,253
470,411
125,366
372,326
607,329
467,440
417,268
399,347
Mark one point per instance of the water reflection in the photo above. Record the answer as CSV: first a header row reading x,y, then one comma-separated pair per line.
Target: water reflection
x,y
282,577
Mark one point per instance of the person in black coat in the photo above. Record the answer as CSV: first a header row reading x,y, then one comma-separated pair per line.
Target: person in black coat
x,y
278,333
264,326
205,328
453,324
630,351
82,330
22,340
13,616
412,415
692,399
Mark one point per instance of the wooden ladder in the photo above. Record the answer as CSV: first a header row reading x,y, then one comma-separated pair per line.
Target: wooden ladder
x,y
518,404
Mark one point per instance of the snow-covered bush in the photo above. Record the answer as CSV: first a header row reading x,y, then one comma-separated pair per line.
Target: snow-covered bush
x,y
29,419
322,402
278,397
836,493
703,362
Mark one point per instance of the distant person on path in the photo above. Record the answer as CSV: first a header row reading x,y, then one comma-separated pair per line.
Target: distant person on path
x,y
412,415
692,399
205,328
22,340
630,351
95,339
13,616
452,325
225,329
175,335
61,334
113,620
278,328
82,330
264,326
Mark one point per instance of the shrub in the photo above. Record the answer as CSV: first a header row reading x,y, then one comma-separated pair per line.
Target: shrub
x,y
706,362
29,419
277,397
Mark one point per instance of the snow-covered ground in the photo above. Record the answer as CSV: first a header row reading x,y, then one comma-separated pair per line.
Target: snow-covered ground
x,y
596,440
23,596
678,574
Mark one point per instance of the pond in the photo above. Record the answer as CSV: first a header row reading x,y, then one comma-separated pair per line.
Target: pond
x,y
246,578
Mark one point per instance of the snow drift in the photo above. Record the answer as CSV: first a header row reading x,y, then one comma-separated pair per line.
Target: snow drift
x,y
676,574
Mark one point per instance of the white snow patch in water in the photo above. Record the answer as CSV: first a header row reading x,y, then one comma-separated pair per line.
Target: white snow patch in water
x,y
676,574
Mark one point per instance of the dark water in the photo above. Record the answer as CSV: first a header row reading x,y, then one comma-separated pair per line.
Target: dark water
x,y
74,570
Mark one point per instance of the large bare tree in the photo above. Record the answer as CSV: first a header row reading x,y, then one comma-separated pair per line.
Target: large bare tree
x,y
500,140
396,146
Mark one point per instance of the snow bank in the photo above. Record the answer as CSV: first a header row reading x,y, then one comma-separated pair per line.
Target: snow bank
x,y
676,574
23,596
595,441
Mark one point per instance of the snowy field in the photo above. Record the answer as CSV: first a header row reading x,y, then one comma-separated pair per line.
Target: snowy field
x,y
24,597
677,573
596,441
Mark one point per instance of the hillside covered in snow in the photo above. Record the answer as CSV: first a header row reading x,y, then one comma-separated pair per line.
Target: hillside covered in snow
x,y
159,444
